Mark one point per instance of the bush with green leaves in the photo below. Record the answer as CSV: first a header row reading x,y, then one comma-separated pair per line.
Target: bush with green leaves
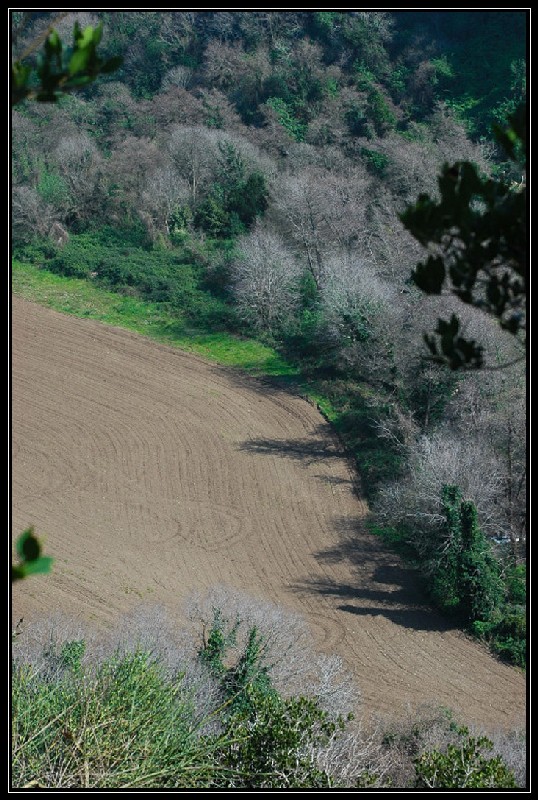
x,y
463,765
273,744
123,261
284,113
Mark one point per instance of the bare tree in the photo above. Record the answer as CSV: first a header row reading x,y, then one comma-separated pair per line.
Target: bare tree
x,y
392,248
175,105
321,211
352,297
224,65
362,318
128,169
193,151
165,191
177,76
196,153
30,215
440,459
492,408
84,19
412,165
80,165
264,279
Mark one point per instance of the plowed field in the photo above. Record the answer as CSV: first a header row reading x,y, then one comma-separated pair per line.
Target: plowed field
x,y
152,473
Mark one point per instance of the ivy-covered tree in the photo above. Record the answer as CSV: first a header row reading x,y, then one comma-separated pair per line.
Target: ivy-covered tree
x,y
236,198
269,740
465,573
480,586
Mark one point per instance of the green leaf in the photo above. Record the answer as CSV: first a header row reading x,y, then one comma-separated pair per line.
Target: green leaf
x,y
54,42
27,545
40,565
97,34
78,61
31,548
28,549
20,72
86,37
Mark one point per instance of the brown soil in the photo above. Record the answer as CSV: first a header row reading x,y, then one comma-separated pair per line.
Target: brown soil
x,y
151,473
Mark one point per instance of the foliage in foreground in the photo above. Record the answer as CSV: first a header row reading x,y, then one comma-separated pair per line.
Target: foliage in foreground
x,y
477,237
30,560
212,717
60,69
465,765
132,721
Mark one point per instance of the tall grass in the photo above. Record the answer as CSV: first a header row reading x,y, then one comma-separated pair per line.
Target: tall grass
x,y
125,725
141,707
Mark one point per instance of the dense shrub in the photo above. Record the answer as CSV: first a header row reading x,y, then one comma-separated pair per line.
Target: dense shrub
x,y
124,262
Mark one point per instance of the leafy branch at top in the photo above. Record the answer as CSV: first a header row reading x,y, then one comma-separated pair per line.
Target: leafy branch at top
x,y
59,69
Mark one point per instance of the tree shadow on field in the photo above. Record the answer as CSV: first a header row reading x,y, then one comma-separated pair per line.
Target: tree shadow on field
x,y
377,582
308,450
381,585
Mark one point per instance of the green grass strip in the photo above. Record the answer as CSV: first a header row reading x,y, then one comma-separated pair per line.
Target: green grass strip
x,y
81,298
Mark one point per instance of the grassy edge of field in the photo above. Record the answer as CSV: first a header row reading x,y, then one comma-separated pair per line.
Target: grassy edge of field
x,y
81,298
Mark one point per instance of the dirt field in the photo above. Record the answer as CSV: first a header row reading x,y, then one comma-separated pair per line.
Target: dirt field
x,y
152,473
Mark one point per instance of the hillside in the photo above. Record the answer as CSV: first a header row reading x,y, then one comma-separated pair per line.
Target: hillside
x,y
152,473
259,427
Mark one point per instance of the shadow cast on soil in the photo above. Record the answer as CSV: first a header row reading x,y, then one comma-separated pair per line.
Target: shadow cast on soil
x,y
309,450
382,584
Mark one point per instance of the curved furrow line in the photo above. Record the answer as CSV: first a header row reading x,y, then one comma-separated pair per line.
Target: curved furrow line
x,y
154,474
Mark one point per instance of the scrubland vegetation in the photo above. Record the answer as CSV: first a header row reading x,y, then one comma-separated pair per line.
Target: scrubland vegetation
x,y
237,700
